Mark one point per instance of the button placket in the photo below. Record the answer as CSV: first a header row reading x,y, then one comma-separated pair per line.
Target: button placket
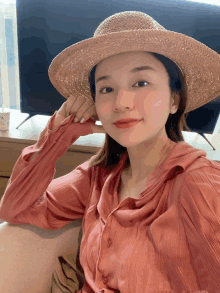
x,y
105,280
109,242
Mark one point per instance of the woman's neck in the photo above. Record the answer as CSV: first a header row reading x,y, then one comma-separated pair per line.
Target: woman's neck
x,y
134,179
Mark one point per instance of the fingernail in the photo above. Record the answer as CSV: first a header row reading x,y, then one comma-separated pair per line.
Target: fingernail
x,y
76,119
82,120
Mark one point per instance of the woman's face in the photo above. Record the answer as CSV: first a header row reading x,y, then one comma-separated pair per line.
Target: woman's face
x,y
140,94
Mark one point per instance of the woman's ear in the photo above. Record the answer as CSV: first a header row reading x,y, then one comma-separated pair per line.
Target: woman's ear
x,y
175,103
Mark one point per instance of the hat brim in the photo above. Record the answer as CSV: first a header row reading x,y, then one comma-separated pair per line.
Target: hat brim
x,y
200,65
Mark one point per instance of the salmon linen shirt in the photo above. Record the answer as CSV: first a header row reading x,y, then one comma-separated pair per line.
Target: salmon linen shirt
x,y
167,240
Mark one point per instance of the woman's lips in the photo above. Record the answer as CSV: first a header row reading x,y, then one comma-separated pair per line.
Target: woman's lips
x,y
127,125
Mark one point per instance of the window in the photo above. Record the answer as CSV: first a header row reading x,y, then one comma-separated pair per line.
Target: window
x,y
9,70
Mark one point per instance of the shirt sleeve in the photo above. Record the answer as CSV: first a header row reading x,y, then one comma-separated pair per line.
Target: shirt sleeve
x,y
32,197
200,215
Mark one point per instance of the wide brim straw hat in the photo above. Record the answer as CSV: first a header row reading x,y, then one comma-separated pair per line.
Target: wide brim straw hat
x,y
131,31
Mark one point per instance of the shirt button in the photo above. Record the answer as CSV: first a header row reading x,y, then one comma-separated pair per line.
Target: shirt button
x,y
62,129
105,280
109,242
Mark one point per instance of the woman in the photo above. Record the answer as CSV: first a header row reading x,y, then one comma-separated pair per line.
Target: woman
x,y
149,201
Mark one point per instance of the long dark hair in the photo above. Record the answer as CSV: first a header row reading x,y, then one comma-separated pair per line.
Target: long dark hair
x,y
110,153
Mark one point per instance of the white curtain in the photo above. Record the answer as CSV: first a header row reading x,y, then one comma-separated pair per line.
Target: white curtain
x,y
9,67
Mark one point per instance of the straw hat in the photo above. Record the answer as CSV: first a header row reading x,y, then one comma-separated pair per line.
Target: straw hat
x,y
130,31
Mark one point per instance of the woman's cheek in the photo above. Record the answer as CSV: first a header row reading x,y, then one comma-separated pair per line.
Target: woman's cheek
x,y
103,111
157,103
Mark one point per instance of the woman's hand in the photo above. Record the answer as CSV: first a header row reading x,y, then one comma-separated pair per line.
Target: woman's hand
x,y
80,108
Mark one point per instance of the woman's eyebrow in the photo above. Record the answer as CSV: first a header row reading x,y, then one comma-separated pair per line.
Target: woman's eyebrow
x,y
131,71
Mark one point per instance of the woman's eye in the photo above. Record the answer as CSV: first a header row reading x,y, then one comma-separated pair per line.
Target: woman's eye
x,y
135,83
